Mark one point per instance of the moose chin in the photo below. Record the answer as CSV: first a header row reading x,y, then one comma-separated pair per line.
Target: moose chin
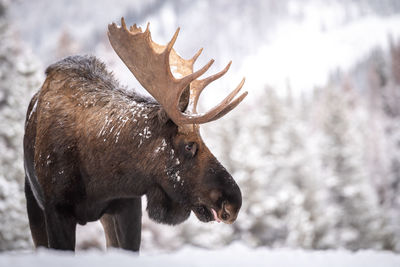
x,y
92,148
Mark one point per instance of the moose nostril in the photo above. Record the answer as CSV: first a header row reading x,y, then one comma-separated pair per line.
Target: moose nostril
x,y
225,216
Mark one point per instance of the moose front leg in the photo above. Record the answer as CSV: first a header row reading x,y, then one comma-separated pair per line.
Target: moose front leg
x,y
123,224
60,229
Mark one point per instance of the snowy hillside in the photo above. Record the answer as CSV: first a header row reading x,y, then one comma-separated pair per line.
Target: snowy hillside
x,y
233,256
278,43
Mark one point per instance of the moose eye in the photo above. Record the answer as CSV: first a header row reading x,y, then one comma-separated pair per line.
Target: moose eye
x,y
191,148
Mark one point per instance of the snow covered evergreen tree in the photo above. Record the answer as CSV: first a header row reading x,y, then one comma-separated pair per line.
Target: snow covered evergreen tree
x,y
18,80
389,98
359,221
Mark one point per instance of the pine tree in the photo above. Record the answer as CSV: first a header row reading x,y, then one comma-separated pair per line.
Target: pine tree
x,y
18,79
359,222
389,97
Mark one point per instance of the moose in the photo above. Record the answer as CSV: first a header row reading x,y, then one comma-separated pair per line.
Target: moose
x,y
92,148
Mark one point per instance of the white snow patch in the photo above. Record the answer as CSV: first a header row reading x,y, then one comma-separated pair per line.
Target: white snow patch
x,y
177,176
117,136
145,134
234,256
161,147
103,129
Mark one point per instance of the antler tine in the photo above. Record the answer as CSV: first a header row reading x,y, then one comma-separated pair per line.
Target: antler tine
x,y
227,100
229,107
197,86
172,42
194,58
236,91
123,24
216,76
134,28
219,110
188,79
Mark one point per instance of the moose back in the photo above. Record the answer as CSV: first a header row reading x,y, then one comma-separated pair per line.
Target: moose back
x,y
92,148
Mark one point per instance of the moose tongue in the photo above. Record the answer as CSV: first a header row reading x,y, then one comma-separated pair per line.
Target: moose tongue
x,y
215,216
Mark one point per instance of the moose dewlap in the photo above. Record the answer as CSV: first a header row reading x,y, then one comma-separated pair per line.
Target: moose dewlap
x,y
92,149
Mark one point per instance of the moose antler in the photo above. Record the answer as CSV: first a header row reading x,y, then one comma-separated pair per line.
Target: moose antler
x,y
151,64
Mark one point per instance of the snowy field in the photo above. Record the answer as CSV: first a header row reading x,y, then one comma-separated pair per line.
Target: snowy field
x,y
235,255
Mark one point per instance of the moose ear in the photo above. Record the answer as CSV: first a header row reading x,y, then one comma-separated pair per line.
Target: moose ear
x,y
183,104
184,101
163,116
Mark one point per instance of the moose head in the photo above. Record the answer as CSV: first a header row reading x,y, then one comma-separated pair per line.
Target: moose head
x,y
92,149
195,176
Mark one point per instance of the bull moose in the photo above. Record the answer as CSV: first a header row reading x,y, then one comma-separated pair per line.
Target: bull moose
x,y
92,148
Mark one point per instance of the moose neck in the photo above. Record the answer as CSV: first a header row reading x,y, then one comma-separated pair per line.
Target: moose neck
x,y
135,139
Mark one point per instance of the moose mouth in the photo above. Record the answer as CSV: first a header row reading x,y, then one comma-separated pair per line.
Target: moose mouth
x,y
203,213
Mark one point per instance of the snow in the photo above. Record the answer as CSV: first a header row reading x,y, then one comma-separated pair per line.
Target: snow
x,y
234,255
161,147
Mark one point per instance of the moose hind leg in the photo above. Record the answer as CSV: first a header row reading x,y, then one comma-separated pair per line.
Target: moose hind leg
x,y
36,218
123,224
107,221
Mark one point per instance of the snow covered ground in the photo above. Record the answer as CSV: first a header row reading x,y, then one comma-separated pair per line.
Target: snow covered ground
x,y
235,255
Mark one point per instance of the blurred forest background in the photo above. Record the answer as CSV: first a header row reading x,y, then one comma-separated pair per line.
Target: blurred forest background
x,y
315,147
